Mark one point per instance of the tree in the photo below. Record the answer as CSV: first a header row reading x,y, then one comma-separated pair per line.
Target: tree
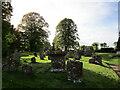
x,y
35,28
6,11
95,44
118,44
115,44
66,35
82,47
101,44
8,37
104,44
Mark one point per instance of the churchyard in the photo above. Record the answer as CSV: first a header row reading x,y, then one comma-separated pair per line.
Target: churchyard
x,y
32,59
93,75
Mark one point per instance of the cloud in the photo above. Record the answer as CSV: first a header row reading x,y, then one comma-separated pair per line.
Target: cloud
x,y
96,21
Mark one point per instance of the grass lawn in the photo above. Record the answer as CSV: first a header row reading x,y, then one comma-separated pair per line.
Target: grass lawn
x,y
94,76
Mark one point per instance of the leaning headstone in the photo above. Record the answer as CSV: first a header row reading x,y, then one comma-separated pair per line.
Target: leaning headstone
x,y
75,71
33,60
27,69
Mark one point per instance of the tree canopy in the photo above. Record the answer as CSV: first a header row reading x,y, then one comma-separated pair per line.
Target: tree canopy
x,y
118,44
95,44
8,35
35,28
6,11
66,34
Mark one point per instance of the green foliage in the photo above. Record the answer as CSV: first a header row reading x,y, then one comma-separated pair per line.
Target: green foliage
x,y
103,44
66,35
6,15
115,44
118,44
83,47
10,38
6,11
35,28
95,45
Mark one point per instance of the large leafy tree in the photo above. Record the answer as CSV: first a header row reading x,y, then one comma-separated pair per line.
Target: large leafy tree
x,y
95,45
66,35
6,11
115,44
118,44
36,30
8,36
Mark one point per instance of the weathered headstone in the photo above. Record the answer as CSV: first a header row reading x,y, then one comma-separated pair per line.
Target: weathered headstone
x,y
88,53
33,60
16,55
75,71
35,54
77,55
13,64
73,54
118,52
27,69
57,60
96,59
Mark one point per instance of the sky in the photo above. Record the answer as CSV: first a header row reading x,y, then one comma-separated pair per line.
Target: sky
x,y
96,20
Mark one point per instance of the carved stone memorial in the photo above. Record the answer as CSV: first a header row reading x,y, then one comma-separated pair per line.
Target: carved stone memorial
x,y
33,60
57,60
88,53
27,69
96,59
75,71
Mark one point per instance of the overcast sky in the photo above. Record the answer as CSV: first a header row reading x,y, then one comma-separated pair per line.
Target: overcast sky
x,y
97,21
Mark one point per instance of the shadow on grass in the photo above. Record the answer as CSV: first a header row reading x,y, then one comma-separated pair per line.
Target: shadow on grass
x,y
97,80
56,80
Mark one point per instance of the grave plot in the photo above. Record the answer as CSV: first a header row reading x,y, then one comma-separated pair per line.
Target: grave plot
x,y
88,53
14,62
76,54
96,59
57,60
27,69
74,71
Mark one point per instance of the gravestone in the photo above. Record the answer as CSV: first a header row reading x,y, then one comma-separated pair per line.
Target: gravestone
x,y
76,54
96,59
118,52
13,63
35,54
88,53
27,69
57,58
75,71
16,55
33,60
42,54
